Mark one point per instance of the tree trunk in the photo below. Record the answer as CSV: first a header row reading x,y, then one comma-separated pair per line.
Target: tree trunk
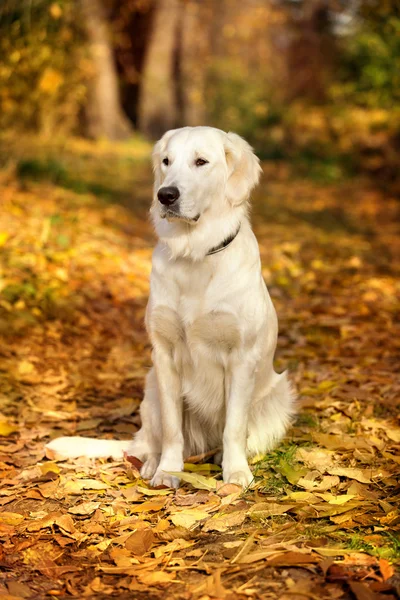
x,y
105,117
157,104
132,23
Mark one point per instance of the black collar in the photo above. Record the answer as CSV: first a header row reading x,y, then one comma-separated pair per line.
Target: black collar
x,y
223,244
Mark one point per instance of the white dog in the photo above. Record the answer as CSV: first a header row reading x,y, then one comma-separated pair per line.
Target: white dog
x,y
210,318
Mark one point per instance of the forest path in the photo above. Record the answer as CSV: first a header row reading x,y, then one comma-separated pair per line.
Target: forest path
x,y
322,520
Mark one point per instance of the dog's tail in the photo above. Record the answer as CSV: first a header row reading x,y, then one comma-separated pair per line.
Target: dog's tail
x,y
75,447
270,418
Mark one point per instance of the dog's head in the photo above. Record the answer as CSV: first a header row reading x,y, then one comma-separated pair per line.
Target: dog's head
x,y
199,170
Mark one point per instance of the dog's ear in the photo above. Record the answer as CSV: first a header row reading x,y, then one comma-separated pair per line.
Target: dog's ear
x,y
158,155
244,168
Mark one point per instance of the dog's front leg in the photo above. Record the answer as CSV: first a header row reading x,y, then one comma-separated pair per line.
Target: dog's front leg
x,y
238,399
171,419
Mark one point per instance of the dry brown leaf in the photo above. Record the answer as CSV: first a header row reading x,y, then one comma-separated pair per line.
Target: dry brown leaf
x,y
156,578
386,569
76,486
228,489
149,506
361,475
196,480
19,589
10,518
224,522
309,482
140,542
316,458
85,508
178,544
262,510
188,518
361,591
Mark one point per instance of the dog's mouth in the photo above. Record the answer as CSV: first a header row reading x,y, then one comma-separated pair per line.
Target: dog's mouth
x,y
171,215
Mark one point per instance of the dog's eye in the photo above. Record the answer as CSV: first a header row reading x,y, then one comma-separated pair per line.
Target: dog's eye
x,y
166,162
200,162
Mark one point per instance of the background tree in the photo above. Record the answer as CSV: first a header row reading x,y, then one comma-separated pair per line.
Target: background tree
x,y
105,116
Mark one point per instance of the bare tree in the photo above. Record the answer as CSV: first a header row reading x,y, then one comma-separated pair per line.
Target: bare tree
x,y
157,109
104,112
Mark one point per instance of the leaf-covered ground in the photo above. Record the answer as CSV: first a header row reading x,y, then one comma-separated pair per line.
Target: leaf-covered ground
x,y
322,520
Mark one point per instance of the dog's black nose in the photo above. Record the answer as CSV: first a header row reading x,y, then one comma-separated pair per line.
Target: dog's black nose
x,y
168,195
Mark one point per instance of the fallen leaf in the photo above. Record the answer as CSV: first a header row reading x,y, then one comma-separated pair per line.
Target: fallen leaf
x,y
327,482
77,485
156,578
361,591
358,474
262,510
6,429
224,522
148,506
85,508
315,458
197,481
178,544
153,491
386,569
292,474
10,518
188,518
140,542
289,559
228,489
19,589
342,499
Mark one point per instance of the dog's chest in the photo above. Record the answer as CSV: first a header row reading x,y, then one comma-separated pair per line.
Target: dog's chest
x,y
192,322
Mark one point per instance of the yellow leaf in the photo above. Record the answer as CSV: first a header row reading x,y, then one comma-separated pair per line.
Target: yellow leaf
x,y
149,505
10,518
152,492
393,434
6,429
201,467
4,235
49,467
301,497
331,551
188,518
331,499
197,481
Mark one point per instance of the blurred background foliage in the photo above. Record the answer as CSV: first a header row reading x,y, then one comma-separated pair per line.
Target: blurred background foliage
x,y
316,82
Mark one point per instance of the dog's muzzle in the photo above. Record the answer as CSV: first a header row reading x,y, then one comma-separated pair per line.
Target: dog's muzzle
x,y
168,195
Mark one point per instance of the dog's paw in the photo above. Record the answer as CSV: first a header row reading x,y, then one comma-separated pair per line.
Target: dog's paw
x,y
149,467
244,477
163,478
